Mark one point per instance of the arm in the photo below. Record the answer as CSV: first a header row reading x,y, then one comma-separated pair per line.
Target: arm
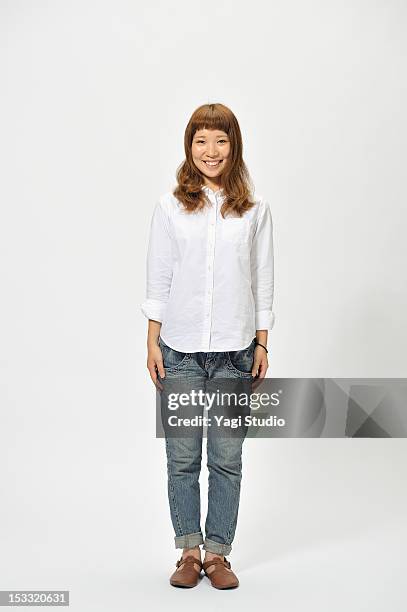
x,y
159,277
159,267
262,271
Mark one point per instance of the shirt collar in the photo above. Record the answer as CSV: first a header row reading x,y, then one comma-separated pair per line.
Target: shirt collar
x,y
209,191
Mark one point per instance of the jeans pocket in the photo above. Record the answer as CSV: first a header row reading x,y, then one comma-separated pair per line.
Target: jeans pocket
x,y
241,362
172,360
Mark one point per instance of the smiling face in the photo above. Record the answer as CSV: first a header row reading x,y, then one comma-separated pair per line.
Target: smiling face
x,y
210,151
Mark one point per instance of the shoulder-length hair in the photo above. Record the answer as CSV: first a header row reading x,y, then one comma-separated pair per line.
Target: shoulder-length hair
x,y
235,179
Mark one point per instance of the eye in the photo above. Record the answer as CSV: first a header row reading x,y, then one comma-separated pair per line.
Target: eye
x,y
202,141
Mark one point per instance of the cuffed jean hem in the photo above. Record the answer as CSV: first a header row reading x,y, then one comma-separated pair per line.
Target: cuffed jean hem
x,y
188,541
216,548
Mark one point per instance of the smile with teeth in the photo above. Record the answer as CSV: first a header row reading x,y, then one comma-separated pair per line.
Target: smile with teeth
x,y
213,163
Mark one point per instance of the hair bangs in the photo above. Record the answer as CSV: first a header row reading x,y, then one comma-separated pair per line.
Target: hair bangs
x,y
210,117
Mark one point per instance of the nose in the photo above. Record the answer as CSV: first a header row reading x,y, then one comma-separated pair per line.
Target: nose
x,y
212,152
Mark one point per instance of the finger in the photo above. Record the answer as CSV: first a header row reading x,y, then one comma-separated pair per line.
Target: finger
x,y
155,366
255,368
261,374
152,370
156,381
263,369
159,373
160,368
153,375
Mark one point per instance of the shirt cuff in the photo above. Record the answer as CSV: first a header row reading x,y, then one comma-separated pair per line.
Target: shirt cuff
x,y
154,309
264,319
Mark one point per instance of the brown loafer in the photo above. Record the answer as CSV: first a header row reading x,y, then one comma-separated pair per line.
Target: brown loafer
x,y
222,576
188,576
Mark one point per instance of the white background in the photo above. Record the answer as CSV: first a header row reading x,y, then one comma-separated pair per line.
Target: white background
x,y
95,100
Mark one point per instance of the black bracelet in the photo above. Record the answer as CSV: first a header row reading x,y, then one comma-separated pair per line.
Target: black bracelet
x,y
258,343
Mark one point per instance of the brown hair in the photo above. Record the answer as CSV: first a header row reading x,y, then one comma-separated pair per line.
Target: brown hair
x,y
235,179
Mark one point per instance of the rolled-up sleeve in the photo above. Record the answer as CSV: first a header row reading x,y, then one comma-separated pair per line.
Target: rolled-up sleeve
x,y
262,269
159,266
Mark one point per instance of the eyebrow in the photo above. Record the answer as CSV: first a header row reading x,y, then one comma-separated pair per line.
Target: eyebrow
x,y
219,136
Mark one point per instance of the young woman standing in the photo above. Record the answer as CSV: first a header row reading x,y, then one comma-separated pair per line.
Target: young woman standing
x,y
209,308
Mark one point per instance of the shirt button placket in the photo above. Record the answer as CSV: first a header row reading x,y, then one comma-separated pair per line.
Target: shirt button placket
x,y
209,275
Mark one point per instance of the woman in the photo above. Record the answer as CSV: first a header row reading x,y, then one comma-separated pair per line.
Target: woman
x,y
209,306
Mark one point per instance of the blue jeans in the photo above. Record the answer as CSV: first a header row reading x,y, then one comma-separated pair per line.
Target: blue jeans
x,y
224,454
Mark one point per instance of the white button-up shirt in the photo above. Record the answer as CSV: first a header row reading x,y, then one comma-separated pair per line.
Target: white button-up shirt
x,y
210,279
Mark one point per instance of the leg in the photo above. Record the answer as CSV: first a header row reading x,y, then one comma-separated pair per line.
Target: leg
x,y
225,474
184,455
183,468
225,450
183,446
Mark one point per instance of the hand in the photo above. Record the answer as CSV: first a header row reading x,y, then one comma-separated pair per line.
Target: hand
x,y
260,365
155,363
